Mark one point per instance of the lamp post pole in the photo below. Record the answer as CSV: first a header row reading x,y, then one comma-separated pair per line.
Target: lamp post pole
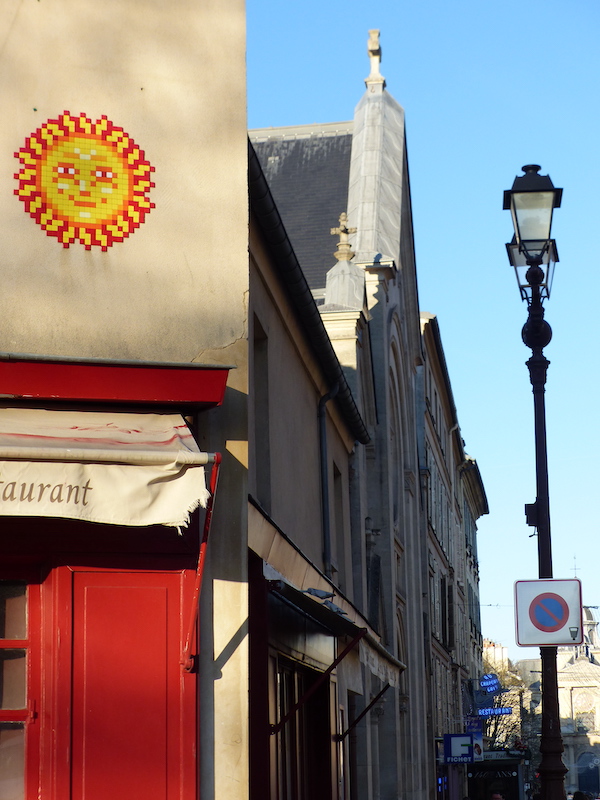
x,y
532,200
536,335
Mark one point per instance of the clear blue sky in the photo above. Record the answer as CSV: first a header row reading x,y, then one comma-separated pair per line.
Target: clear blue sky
x,y
486,87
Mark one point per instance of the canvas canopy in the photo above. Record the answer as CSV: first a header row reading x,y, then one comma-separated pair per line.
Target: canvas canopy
x,y
114,468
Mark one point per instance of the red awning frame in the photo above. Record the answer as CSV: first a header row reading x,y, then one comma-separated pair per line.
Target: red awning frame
x,y
27,377
188,661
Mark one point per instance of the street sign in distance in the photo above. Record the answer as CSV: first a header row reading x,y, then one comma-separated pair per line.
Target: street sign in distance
x,y
458,748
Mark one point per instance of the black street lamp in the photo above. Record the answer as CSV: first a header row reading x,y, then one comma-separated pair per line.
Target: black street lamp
x,y
532,253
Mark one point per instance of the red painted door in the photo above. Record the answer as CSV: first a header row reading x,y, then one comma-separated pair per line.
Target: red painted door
x,y
133,722
123,720
126,685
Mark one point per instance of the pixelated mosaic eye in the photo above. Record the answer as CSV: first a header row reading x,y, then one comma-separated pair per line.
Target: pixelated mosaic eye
x,y
94,215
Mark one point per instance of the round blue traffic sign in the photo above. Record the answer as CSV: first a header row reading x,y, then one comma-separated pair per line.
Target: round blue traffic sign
x,y
549,612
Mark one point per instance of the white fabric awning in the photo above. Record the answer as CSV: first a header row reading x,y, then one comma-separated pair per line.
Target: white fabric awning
x,y
114,468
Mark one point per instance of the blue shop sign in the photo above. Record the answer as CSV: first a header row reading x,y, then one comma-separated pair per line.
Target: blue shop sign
x,y
458,748
498,711
489,683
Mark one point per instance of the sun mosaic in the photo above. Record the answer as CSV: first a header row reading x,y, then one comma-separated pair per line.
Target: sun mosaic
x,y
84,181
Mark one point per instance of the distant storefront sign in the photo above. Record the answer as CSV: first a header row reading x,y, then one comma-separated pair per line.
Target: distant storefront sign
x,y
494,712
474,726
458,748
490,683
489,687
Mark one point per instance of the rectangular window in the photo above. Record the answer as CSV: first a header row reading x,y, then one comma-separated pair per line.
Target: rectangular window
x,y
19,677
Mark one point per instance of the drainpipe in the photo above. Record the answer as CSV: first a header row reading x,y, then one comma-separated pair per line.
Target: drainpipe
x,y
322,416
451,463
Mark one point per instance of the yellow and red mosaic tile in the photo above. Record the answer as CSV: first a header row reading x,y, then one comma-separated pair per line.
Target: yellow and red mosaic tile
x,y
84,181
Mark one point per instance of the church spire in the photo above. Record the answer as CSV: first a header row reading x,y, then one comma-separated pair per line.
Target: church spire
x,y
378,182
375,79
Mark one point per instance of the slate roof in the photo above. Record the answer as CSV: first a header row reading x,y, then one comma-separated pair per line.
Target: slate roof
x,y
307,169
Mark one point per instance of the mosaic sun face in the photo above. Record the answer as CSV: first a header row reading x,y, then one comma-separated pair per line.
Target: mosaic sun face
x,y
84,181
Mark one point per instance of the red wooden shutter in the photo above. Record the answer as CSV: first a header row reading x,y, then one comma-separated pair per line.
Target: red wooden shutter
x,y
133,710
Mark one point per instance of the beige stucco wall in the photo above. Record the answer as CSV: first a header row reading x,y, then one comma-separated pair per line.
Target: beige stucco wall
x,y
296,383
172,75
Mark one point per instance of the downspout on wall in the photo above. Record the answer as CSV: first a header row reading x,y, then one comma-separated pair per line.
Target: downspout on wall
x,y
326,522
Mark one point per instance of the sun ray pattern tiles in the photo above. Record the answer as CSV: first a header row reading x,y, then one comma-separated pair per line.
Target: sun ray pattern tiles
x,y
84,181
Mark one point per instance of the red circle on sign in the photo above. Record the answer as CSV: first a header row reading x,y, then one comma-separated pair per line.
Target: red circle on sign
x,y
549,612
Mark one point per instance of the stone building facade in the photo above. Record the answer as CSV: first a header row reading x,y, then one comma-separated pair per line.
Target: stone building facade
x,y
414,494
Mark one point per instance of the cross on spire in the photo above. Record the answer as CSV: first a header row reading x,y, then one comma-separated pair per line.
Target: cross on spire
x,y
374,51
344,251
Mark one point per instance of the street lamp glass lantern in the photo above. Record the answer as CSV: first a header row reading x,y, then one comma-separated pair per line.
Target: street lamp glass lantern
x,y
531,201
518,261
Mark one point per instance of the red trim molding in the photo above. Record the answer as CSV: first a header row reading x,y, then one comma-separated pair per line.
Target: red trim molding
x,y
31,378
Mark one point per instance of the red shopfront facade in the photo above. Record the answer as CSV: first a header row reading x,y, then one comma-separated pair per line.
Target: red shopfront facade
x,y
98,692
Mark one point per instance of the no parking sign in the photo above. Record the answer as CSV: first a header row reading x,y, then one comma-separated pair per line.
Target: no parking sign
x,y
548,612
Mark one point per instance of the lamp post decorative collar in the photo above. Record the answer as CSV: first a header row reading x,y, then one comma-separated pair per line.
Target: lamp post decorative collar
x,y
532,253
